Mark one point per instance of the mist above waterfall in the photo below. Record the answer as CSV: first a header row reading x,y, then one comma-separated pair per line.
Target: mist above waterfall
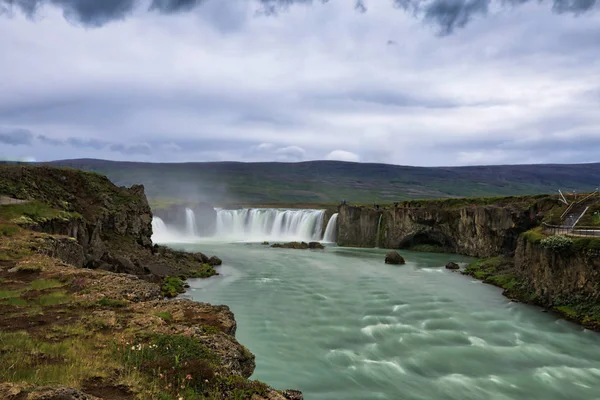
x,y
249,225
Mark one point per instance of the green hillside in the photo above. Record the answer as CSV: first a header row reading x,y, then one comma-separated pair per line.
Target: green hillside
x,y
333,181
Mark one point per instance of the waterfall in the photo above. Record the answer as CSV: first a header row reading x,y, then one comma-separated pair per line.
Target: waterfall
x,y
159,227
331,230
161,232
378,231
259,224
190,223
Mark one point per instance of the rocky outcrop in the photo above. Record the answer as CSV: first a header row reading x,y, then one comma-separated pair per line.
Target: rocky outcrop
x,y
111,225
480,231
558,277
10,391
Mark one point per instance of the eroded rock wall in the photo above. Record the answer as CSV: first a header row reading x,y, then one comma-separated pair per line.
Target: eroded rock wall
x,y
480,231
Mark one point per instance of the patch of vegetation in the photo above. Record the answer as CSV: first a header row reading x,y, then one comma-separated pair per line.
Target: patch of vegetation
x,y
112,303
591,217
534,235
580,310
586,244
14,253
43,284
166,316
53,299
211,330
8,294
14,301
30,360
495,270
8,230
505,281
181,362
557,243
172,286
205,271
35,211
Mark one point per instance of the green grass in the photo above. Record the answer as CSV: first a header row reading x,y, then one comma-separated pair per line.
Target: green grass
x,y
166,316
14,301
8,230
35,211
205,271
534,235
54,298
7,294
43,284
586,244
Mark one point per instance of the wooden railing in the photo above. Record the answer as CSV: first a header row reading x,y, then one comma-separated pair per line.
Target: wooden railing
x,y
565,230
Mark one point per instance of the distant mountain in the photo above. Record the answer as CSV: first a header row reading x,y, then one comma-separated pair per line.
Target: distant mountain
x,y
333,181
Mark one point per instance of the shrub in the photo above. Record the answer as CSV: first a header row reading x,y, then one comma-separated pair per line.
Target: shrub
x,y
112,303
206,271
166,316
172,286
557,243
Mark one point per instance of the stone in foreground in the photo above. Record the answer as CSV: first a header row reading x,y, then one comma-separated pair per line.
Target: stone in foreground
x,y
452,265
394,258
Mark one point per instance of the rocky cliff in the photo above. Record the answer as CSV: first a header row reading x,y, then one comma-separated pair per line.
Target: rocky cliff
x,y
113,225
480,230
566,279
105,331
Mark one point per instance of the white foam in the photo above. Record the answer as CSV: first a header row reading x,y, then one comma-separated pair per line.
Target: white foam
x,y
478,342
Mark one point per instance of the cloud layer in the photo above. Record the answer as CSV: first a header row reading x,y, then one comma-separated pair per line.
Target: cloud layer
x,y
391,81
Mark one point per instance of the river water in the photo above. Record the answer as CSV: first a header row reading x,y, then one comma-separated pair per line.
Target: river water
x,y
340,324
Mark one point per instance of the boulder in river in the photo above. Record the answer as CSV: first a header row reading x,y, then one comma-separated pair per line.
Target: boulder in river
x,y
214,260
394,258
452,265
315,245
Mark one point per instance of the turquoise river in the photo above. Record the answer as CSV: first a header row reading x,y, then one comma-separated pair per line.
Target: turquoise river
x,y
340,324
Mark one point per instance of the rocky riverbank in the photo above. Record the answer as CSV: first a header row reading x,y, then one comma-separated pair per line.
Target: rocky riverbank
x,y
82,308
557,273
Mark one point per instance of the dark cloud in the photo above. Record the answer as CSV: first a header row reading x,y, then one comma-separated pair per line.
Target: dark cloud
x,y
51,141
142,148
86,143
452,14
16,137
448,15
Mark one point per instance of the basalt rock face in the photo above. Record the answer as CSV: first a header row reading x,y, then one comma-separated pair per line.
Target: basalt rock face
x,y
113,225
558,277
480,231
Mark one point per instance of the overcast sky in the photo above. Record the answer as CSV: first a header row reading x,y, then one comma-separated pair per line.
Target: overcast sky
x,y
434,82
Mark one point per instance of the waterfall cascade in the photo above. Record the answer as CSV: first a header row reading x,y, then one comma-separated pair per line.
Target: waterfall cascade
x,y
161,232
270,224
251,224
190,223
331,230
